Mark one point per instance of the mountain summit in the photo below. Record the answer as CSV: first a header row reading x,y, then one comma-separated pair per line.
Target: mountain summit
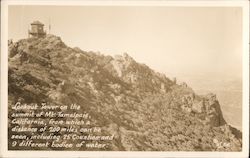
x,y
143,109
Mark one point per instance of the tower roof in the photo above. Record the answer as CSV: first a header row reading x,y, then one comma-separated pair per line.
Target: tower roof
x,y
36,23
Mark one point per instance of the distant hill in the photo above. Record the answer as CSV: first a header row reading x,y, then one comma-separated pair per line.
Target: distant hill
x,y
145,109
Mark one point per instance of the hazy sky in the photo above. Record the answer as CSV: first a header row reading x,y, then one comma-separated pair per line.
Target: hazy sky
x,y
179,41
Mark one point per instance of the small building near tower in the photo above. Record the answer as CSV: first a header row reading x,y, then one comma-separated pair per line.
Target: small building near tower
x,y
37,30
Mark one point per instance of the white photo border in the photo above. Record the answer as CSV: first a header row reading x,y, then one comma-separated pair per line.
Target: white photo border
x,y
244,4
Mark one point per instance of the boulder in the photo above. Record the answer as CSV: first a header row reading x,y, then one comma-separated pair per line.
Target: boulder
x,y
198,107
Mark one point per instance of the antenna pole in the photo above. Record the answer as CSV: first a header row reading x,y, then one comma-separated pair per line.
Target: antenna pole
x,y
49,26
28,31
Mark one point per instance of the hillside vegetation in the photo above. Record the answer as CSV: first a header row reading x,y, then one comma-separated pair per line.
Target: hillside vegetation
x,y
145,110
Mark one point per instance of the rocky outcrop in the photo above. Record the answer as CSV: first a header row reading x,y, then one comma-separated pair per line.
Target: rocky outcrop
x,y
213,111
207,105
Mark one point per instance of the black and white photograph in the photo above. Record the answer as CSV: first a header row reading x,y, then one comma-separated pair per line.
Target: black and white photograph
x,y
125,77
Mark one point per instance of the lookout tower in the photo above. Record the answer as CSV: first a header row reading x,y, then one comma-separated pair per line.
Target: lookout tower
x,y
37,29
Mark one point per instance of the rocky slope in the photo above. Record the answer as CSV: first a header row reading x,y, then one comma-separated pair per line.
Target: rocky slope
x,y
144,109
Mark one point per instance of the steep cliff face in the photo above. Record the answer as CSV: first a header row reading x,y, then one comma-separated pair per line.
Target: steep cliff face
x,y
144,109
